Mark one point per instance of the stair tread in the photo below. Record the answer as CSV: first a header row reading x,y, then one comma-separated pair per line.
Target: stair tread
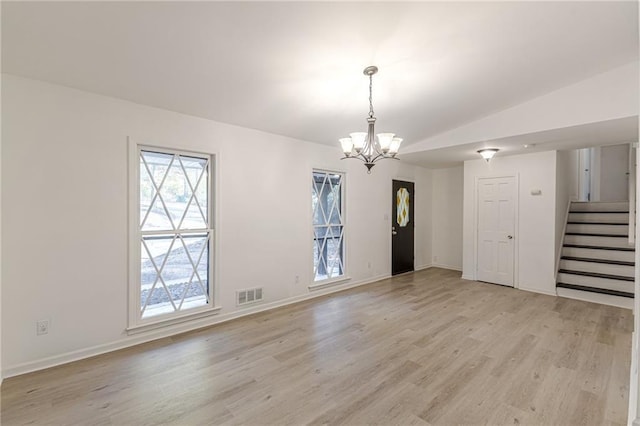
x,y
595,290
607,261
597,235
598,211
600,247
598,223
596,274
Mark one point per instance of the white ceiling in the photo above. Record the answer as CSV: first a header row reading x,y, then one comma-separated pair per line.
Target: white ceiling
x,y
610,132
295,69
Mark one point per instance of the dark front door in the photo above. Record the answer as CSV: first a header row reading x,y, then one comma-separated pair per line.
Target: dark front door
x,y
402,226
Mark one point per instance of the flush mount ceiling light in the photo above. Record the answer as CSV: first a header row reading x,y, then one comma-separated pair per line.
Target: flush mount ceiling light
x,y
363,145
488,153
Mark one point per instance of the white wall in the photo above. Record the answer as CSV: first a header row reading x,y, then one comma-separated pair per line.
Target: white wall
x,y
566,190
536,220
448,189
614,165
64,189
574,174
1,370
423,202
634,378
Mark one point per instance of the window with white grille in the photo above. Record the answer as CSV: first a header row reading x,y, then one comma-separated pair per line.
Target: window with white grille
x,y
173,235
327,198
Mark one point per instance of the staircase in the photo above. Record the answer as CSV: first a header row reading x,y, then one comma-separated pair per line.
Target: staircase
x,y
597,264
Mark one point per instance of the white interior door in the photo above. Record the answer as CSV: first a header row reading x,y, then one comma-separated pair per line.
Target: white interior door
x,y
496,224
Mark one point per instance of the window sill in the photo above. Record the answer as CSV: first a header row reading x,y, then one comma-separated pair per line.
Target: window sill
x,y
142,328
329,283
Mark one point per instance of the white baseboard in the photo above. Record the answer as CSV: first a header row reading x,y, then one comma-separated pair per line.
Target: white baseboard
x,y
443,266
537,290
633,381
420,268
467,277
173,330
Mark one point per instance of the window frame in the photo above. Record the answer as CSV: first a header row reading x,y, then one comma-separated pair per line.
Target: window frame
x,y
135,322
343,214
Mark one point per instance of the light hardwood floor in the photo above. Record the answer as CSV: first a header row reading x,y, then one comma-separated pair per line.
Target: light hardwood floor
x,y
422,348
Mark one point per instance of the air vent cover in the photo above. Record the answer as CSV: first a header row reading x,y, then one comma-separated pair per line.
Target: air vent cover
x,y
248,296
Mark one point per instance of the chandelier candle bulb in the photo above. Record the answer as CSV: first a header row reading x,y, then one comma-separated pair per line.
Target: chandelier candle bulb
x,y
358,139
363,145
395,146
385,139
347,146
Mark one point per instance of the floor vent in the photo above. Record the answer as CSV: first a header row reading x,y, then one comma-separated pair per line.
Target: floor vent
x,y
249,295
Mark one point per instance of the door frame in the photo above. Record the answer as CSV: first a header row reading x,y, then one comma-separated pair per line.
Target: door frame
x,y
391,219
516,223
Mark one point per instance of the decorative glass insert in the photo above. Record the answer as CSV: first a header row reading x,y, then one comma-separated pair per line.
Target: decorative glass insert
x,y
175,232
328,225
402,207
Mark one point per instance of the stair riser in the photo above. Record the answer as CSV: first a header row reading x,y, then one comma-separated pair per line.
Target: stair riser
x,y
598,229
599,217
625,256
596,241
596,282
605,299
600,268
597,206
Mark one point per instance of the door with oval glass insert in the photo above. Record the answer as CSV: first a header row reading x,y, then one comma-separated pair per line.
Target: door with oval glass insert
x,y
402,227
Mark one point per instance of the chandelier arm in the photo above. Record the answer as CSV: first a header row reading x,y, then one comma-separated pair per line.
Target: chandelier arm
x,y
354,157
376,149
380,155
366,158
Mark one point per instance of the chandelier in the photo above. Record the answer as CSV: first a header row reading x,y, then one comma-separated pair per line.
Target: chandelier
x,y
363,145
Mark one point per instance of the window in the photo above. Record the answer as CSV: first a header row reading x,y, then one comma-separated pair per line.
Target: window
x,y
328,225
173,235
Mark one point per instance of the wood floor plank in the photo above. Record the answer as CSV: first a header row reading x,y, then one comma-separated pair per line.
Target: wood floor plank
x,y
589,410
425,348
520,393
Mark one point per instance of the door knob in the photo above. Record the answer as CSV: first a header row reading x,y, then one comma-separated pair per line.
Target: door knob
x,y
394,233
510,237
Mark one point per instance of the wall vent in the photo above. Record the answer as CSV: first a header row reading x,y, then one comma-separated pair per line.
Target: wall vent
x,y
249,295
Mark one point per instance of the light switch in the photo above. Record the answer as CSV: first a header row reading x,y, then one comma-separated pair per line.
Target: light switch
x,y
536,192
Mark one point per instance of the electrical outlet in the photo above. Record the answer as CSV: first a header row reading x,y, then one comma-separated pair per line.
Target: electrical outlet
x,y
368,265
297,279
42,327
435,258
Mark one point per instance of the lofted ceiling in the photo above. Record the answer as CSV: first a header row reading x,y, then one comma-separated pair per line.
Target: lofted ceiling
x,y
295,68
